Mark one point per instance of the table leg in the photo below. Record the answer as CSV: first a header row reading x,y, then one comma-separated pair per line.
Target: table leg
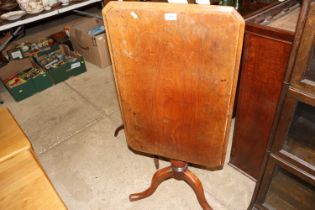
x,y
179,171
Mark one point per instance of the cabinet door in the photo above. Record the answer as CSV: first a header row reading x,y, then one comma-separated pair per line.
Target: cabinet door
x,y
304,68
285,188
295,134
263,69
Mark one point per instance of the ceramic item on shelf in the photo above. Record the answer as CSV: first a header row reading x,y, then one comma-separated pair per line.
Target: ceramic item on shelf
x,y
53,3
64,2
31,6
49,4
47,7
8,5
14,15
46,4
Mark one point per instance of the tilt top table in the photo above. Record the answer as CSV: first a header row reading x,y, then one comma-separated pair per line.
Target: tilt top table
x,y
176,69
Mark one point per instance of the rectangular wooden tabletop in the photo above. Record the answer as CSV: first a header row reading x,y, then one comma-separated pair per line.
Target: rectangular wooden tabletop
x,y
176,69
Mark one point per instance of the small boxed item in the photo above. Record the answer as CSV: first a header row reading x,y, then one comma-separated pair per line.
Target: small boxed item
x,y
15,54
61,63
93,47
23,78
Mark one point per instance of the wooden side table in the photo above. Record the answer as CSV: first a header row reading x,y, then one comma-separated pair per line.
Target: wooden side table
x,y
12,138
175,85
23,182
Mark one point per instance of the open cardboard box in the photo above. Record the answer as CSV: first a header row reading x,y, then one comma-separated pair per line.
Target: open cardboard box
x,y
30,86
16,53
93,48
66,70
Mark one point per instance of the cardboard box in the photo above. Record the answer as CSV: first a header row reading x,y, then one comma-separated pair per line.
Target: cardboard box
x,y
66,70
30,86
17,53
93,48
42,82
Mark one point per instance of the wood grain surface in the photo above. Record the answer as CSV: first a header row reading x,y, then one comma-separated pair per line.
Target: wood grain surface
x,y
262,76
12,138
24,185
176,68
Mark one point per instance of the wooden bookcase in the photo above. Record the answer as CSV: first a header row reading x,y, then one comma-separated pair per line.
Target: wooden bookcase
x,y
288,178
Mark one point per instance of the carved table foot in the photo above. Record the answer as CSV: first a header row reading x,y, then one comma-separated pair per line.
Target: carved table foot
x,y
118,129
196,185
178,170
158,178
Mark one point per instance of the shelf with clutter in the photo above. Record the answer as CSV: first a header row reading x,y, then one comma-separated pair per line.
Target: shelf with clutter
x,y
28,11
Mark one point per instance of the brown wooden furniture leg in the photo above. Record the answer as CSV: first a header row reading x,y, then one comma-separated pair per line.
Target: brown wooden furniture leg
x,y
118,129
179,171
196,185
156,162
157,179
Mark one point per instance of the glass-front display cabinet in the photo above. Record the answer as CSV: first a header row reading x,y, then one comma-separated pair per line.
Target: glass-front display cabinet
x,y
295,135
304,68
285,188
300,140
287,180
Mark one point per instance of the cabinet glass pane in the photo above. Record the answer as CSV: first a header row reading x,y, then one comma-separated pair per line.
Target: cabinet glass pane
x,y
310,73
301,136
289,192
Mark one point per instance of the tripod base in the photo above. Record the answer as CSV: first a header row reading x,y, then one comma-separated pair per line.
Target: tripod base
x,y
178,170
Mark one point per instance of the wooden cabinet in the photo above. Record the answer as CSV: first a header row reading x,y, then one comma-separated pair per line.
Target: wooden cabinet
x,y
295,135
288,178
285,188
250,6
268,39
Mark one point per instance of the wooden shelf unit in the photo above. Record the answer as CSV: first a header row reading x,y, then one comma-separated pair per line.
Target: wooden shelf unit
x,y
4,25
287,179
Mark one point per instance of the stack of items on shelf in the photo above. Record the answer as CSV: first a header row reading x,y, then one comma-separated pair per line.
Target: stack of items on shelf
x,y
31,6
7,5
9,9
37,65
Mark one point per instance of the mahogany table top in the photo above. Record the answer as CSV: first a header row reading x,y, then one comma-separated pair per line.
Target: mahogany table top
x,y
176,69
